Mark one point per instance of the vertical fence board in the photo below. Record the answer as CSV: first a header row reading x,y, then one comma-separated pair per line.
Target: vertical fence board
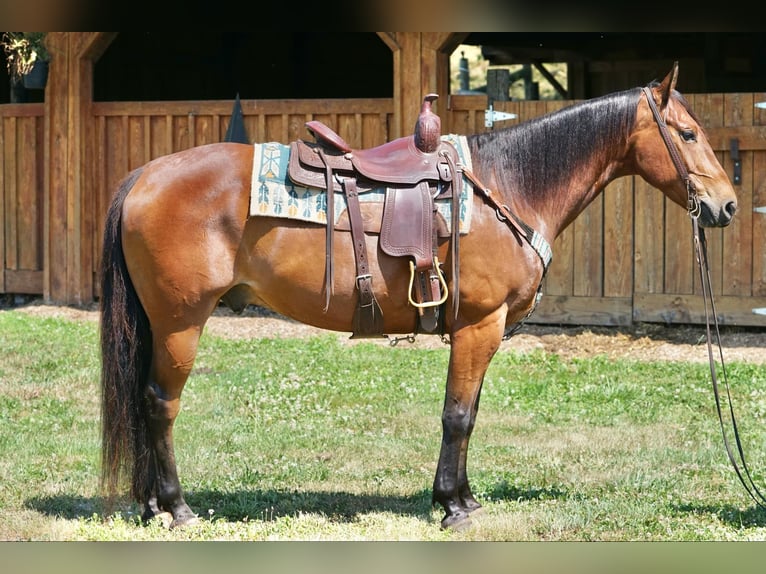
x,y
759,201
618,238
588,250
11,195
737,240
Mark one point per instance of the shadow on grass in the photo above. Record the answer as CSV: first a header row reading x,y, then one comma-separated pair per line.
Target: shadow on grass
x,y
753,517
267,505
263,505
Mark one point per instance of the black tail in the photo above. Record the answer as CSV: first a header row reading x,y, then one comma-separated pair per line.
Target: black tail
x,y
126,349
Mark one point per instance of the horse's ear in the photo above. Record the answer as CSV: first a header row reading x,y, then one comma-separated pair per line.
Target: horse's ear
x,y
667,85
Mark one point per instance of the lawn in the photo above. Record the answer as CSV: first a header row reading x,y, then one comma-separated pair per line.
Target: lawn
x,y
310,439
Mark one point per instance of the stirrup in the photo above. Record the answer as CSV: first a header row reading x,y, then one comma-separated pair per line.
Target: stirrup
x,y
441,280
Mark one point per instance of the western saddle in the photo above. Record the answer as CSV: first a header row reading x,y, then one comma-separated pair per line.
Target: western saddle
x,y
414,170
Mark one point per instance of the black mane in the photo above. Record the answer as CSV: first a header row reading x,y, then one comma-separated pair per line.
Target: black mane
x,y
534,157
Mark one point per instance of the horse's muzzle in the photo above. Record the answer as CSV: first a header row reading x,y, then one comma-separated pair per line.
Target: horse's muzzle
x,y
716,216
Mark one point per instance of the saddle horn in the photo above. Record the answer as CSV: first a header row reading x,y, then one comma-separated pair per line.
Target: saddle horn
x,y
428,128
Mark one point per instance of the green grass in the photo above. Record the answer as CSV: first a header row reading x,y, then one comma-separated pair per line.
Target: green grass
x,y
315,440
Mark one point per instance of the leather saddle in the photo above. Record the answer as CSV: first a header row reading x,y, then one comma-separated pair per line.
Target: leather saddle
x,y
414,170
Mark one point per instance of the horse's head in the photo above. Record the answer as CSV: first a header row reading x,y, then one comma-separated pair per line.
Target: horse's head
x,y
695,170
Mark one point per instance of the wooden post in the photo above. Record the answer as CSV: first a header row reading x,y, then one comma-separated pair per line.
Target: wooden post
x,y
421,66
69,219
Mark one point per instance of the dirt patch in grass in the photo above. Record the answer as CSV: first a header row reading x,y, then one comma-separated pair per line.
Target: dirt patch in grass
x,y
642,341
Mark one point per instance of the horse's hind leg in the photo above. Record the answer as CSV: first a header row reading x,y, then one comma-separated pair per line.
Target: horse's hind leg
x,y
172,360
473,347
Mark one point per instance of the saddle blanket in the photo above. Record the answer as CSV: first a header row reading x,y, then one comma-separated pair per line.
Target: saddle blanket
x,y
273,194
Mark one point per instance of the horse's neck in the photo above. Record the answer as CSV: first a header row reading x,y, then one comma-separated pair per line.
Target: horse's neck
x,y
552,209
553,167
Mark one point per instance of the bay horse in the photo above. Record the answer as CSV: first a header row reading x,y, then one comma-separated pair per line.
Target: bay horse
x,y
179,239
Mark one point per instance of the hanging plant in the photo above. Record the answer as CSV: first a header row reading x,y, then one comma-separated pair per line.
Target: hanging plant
x,y
23,50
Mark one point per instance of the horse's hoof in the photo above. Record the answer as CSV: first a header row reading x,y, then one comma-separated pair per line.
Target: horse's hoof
x,y
164,518
477,510
184,521
472,507
456,522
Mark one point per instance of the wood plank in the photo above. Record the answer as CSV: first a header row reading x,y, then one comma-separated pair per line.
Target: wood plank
x,y
560,277
158,144
24,281
531,110
690,309
91,219
348,130
410,86
73,187
4,178
710,110
758,234
588,250
296,127
29,197
750,137
618,238
249,107
204,131
566,310
680,267
136,142
35,110
737,263
102,199
10,232
649,243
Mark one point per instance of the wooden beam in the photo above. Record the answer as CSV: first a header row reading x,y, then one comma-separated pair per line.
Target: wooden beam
x,y
54,197
750,137
553,81
679,309
69,197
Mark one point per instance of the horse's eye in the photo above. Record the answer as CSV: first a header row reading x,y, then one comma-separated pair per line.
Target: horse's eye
x,y
688,135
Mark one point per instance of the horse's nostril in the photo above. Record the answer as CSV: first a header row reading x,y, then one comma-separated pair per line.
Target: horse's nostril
x,y
731,208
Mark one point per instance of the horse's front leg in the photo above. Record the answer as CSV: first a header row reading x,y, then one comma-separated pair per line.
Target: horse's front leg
x,y
473,347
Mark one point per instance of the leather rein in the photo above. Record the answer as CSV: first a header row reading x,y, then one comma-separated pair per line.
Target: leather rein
x,y
700,247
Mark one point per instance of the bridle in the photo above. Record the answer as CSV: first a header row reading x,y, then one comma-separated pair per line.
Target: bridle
x,y
700,247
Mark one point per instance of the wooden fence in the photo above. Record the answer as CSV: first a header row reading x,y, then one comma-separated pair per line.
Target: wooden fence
x,y
21,198
627,258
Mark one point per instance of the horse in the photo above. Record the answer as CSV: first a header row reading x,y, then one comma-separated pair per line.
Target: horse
x,y
179,240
